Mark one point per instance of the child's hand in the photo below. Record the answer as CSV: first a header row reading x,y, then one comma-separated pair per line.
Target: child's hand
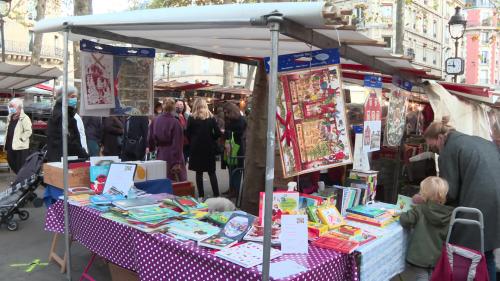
x,y
417,199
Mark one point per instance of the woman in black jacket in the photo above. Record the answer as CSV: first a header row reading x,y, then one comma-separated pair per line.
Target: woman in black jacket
x,y
202,132
54,130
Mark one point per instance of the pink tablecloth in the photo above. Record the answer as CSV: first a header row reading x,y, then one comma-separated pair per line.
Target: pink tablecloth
x,y
158,257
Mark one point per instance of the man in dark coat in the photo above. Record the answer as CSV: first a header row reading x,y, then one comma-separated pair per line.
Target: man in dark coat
x,y
54,130
93,132
471,165
134,138
112,136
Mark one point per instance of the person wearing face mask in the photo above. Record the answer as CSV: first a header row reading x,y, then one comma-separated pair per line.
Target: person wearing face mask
x,y
54,130
166,135
471,165
19,131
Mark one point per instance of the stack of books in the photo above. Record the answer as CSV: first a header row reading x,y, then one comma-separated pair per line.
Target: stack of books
x,y
370,215
192,229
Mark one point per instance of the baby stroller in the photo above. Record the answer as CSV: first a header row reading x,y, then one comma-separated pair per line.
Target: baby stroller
x,y
22,190
459,263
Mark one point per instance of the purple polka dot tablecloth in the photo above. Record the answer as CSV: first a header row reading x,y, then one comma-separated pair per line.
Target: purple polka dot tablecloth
x,y
157,257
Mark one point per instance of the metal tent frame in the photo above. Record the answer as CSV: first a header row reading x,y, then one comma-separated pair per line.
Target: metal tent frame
x,y
235,25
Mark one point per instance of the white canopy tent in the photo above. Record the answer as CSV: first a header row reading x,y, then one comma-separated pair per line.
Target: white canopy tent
x,y
17,77
236,32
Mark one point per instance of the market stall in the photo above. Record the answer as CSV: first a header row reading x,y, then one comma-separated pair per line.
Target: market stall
x,y
295,28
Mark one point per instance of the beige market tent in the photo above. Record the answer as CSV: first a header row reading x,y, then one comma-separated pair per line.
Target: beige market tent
x,y
237,32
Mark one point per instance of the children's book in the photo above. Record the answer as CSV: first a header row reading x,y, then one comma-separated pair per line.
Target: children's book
x,y
186,203
337,244
133,203
247,255
237,226
198,215
256,233
330,216
105,199
312,214
366,210
404,203
380,221
217,242
350,230
284,203
152,213
219,218
306,200
315,230
192,229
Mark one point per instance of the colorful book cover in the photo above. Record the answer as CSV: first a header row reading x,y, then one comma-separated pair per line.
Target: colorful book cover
x,y
237,226
217,242
247,255
315,230
284,203
312,214
366,210
404,203
219,218
192,229
256,233
152,213
351,230
337,244
380,221
194,214
139,202
306,200
105,198
330,216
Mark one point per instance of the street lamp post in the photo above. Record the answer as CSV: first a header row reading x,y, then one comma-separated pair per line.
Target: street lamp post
x,y
4,11
456,27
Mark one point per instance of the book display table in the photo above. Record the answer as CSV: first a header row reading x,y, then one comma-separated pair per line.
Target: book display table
x,y
159,257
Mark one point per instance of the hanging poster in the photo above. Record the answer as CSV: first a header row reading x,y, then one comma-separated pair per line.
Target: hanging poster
x,y
97,88
372,126
395,122
311,121
118,80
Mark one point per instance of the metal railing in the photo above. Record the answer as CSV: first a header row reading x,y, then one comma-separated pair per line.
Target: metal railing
x,y
23,48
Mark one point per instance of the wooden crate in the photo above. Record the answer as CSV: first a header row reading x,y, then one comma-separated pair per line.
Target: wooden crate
x,y
185,188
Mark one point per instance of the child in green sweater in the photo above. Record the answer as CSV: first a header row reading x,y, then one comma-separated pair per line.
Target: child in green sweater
x,y
429,221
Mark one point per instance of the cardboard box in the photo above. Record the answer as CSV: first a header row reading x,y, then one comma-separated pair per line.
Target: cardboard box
x,y
78,174
119,273
150,170
184,188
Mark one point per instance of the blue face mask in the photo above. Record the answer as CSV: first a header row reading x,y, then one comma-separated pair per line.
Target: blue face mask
x,y
12,110
72,102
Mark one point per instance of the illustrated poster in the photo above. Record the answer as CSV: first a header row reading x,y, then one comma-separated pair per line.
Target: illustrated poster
x,y
97,88
119,80
372,126
395,124
311,121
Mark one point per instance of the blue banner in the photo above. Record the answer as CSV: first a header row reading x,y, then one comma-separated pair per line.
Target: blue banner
x,y
305,60
90,46
373,81
403,84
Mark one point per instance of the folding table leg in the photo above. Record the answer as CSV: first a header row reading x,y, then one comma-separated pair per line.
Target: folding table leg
x,y
53,256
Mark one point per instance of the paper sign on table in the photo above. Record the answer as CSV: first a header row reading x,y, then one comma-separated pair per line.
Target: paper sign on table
x,y
120,178
294,234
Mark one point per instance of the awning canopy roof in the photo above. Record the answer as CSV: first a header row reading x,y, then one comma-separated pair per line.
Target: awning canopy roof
x,y
235,32
17,77
162,85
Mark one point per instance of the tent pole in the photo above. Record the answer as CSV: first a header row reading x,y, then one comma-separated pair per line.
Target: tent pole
x,y
65,152
274,27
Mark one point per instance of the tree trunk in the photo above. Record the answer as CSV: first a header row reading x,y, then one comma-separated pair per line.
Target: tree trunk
x,y
256,140
250,74
228,72
37,42
80,8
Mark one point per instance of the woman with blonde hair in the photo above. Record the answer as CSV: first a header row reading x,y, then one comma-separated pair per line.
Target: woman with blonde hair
x,y
166,135
202,132
17,140
471,165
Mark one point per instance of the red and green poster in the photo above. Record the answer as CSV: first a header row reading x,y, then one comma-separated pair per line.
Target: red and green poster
x,y
311,121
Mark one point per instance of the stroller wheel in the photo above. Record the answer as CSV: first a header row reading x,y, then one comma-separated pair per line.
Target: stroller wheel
x,y
12,226
24,215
